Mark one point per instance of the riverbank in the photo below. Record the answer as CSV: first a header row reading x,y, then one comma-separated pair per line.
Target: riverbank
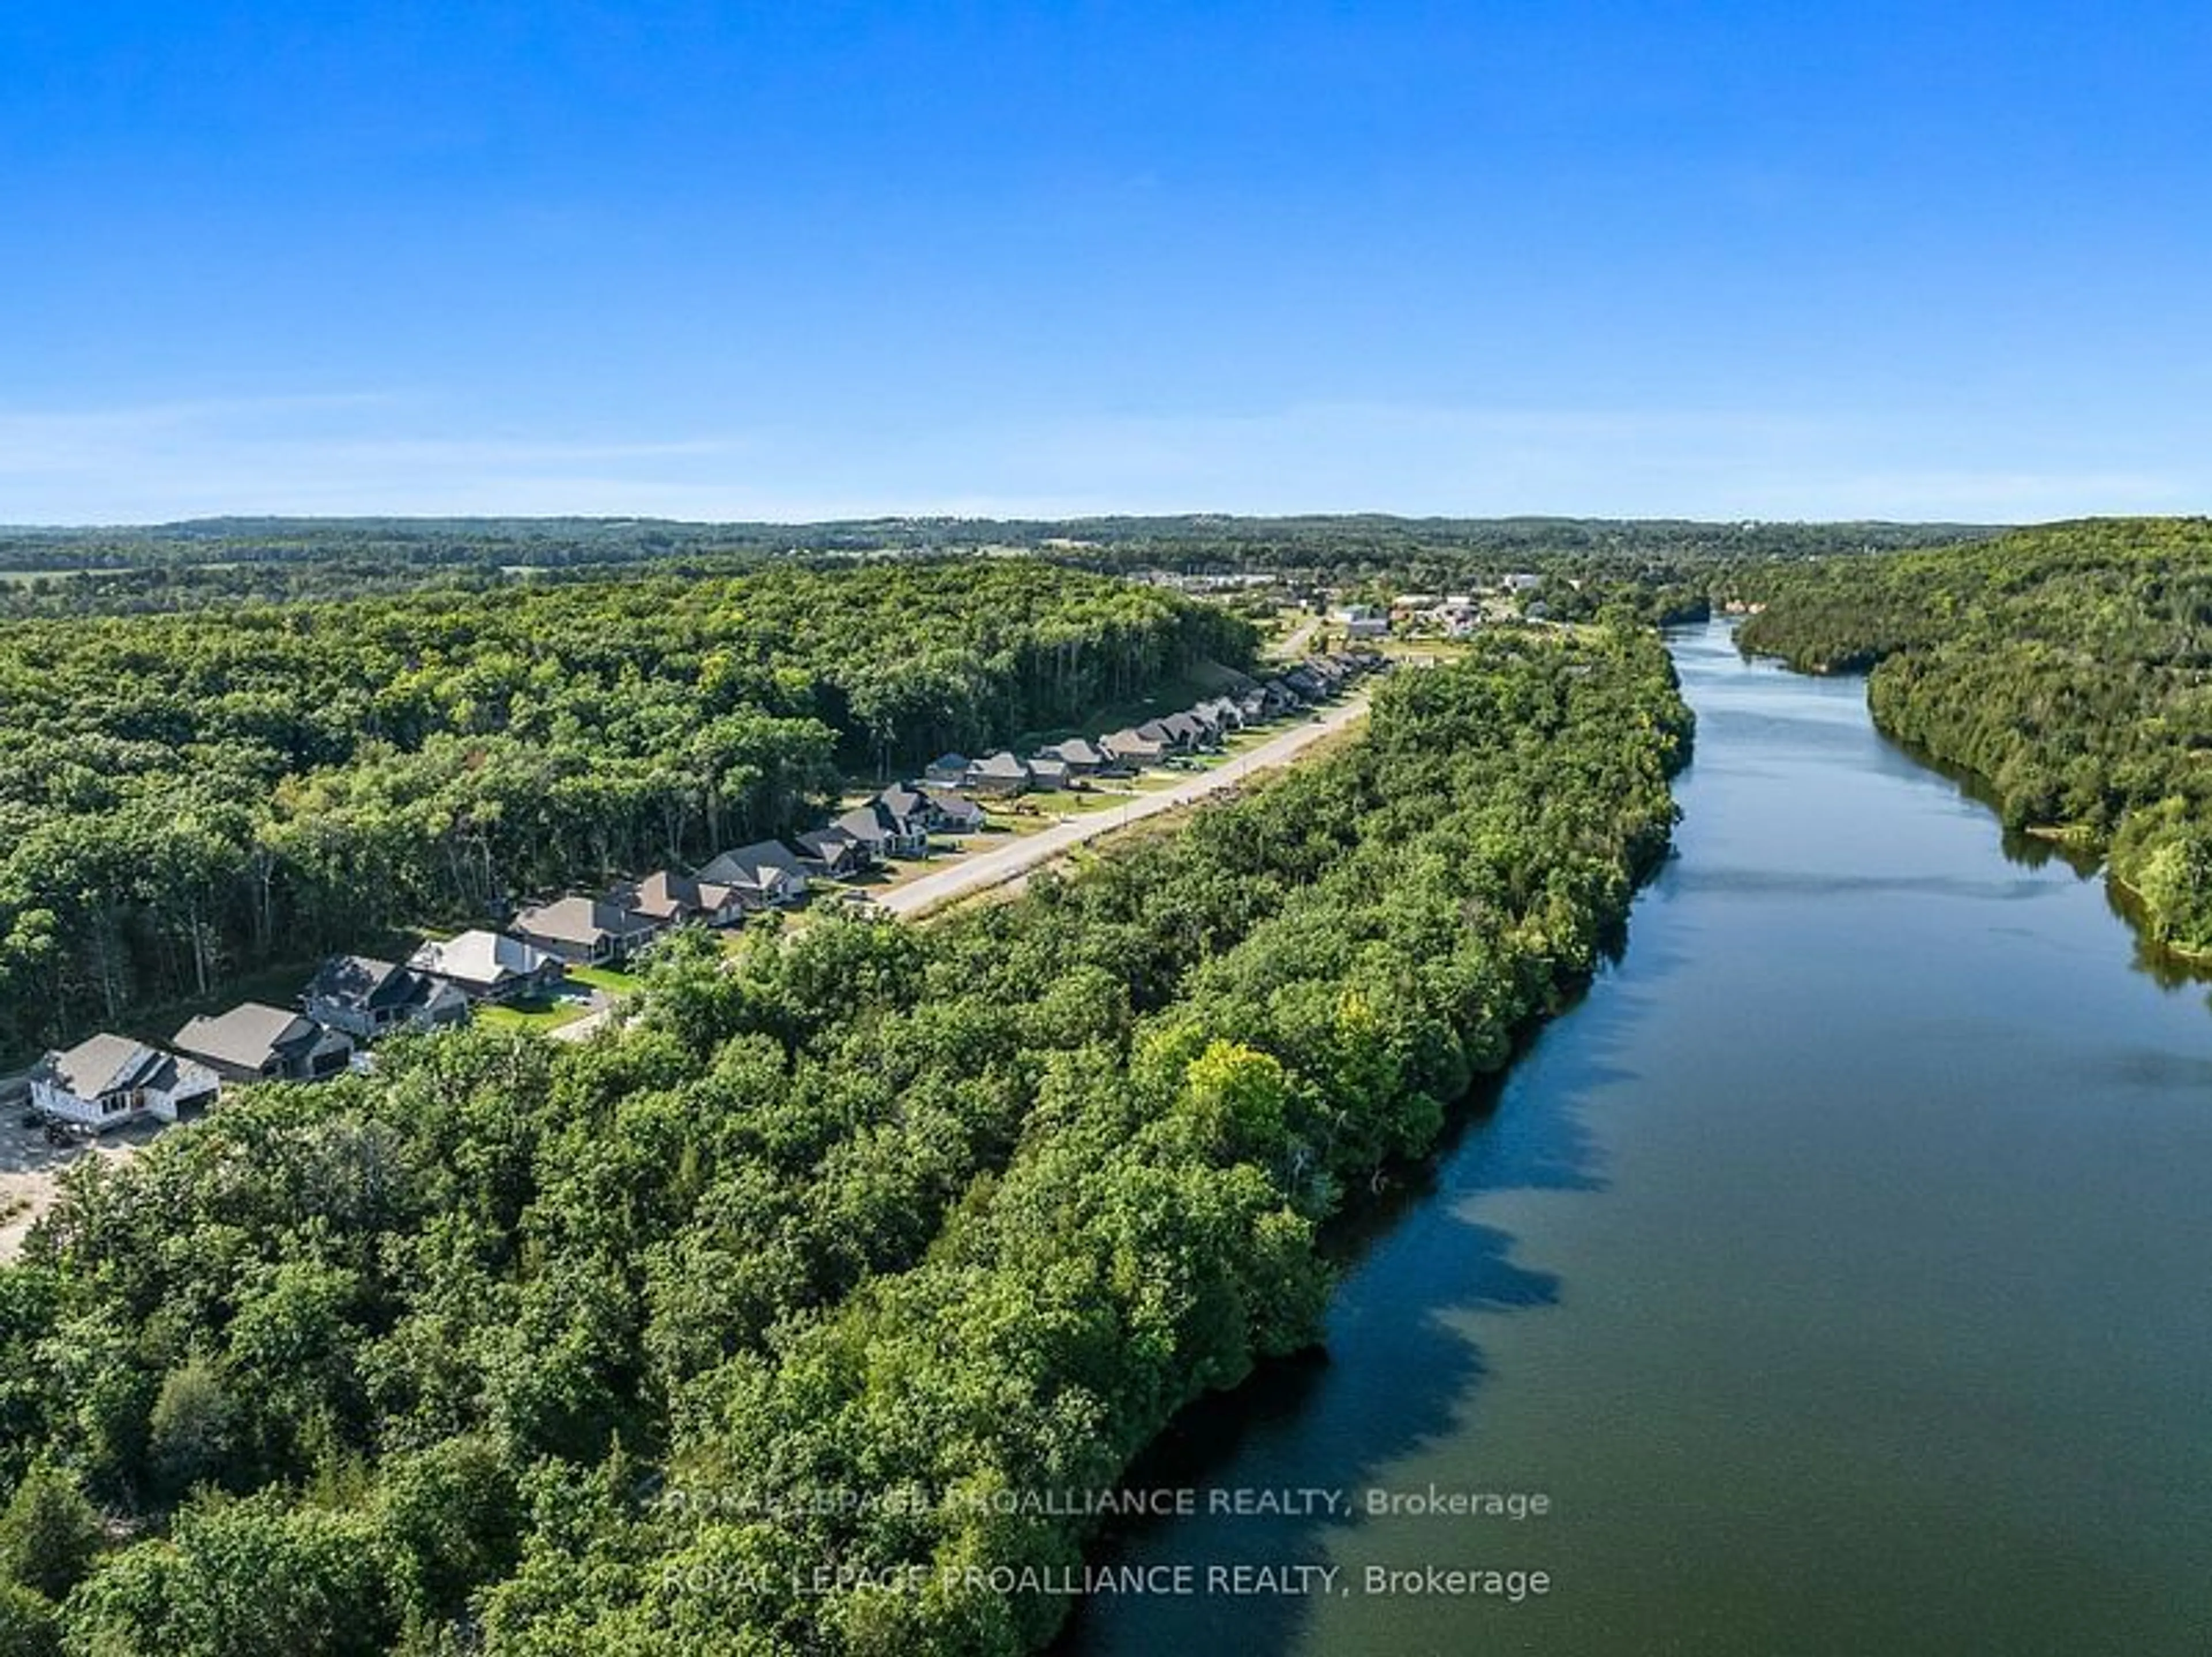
x,y
2083,845
1831,1266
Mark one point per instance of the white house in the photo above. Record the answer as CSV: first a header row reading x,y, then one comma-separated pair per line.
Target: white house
x,y
1360,621
106,1081
488,966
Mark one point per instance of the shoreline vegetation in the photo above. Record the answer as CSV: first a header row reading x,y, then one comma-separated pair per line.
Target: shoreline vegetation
x,y
2063,667
835,1248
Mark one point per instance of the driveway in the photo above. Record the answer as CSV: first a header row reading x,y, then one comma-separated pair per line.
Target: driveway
x,y
31,1170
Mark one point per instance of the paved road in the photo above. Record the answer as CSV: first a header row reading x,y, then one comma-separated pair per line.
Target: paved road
x,y
1295,646
979,871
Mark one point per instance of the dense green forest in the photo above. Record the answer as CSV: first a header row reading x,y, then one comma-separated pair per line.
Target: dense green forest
x,y
227,561
694,1338
2068,667
184,796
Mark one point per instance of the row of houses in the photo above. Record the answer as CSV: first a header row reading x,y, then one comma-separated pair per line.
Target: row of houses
x,y
108,1080
897,822
1202,727
354,1000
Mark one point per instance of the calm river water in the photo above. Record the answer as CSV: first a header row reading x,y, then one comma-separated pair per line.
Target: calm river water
x,y
1840,1270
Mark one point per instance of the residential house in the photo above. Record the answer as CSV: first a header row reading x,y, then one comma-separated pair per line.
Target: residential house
x,y
1252,705
585,931
669,898
1049,776
765,875
947,771
1000,776
910,801
1078,754
367,998
107,1080
835,852
953,813
490,965
889,832
1225,712
1133,748
1188,731
914,812
1361,621
255,1042
1156,730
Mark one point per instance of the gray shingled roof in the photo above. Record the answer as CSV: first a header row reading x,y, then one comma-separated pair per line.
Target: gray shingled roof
x,y
103,1062
248,1036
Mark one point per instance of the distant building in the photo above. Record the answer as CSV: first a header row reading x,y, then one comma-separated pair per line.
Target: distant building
x,y
1360,621
671,898
1078,754
1187,730
834,852
1134,749
954,813
889,832
1002,776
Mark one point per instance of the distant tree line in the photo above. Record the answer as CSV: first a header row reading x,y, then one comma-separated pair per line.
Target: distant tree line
x,y
231,561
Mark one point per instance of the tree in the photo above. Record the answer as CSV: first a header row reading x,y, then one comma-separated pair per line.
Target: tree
x,y
191,1432
30,1626
49,1533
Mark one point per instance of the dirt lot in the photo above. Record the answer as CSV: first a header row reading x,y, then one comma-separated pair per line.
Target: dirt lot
x,y
30,1169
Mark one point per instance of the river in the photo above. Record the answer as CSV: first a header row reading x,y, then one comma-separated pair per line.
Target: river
x,y
1840,1270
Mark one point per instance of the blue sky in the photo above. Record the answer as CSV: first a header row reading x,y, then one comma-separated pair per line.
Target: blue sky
x,y
821,258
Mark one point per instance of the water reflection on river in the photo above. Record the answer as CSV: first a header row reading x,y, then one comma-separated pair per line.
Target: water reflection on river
x,y
1841,1270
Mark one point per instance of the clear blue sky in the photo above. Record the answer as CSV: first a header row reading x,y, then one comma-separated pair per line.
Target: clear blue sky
x,y
813,257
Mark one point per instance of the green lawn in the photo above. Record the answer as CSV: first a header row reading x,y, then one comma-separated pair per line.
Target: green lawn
x,y
541,1013
606,978
1090,802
